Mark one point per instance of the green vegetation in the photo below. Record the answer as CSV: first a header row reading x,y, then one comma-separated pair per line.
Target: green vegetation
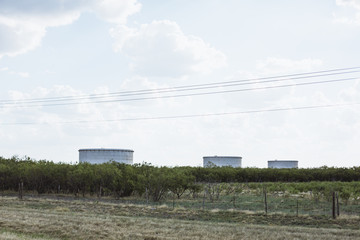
x,y
120,180
46,200
188,187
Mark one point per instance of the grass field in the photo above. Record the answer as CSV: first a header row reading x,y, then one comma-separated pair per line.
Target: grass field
x,y
35,218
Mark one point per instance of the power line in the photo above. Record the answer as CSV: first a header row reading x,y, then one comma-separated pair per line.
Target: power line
x,y
183,88
190,115
167,90
192,94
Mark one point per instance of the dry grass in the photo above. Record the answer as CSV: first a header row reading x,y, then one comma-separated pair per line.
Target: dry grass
x,y
347,216
19,236
62,209
215,210
50,219
162,206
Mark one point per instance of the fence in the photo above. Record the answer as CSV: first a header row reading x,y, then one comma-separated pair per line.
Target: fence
x,y
236,197
277,202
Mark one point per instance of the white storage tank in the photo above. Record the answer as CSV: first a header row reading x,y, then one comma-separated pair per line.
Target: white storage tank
x,y
221,161
103,155
283,164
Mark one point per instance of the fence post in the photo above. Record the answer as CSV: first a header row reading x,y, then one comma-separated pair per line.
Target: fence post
x,y
173,201
337,204
297,207
203,203
265,201
21,187
234,202
100,192
333,206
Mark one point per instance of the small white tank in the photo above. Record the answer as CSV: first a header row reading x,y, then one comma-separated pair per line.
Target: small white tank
x,y
103,155
283,164
222,161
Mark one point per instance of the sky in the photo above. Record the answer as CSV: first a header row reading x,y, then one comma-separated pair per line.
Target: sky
x,y
178,80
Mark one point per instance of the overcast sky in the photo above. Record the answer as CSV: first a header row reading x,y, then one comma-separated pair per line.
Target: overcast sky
x,y
95,48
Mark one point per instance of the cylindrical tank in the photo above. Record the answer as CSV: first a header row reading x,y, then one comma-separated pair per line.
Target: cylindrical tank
x,y
103,155
283,164
222,161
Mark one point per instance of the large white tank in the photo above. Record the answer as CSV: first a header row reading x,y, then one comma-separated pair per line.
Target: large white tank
x,y
283,164
222,161
103,155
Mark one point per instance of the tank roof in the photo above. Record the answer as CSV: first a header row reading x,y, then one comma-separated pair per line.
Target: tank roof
x,y
283,161
106,149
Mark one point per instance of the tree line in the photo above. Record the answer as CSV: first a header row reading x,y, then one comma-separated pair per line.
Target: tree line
x,y
121,180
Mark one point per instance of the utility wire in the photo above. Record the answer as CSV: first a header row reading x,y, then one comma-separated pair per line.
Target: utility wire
x,y
189,115
190,94
187,87
166,90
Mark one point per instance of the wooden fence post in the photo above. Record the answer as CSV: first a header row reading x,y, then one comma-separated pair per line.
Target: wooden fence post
x,y
100,192
297,207
265,202
21,187
333,206
203,203
173,200
234,198
337,204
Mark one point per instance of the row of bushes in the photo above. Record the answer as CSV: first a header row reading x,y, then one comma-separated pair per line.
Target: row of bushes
x,y
122,180
229,174
111,178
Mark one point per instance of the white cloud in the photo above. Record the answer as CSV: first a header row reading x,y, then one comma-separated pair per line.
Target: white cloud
x,y
116,11
162,49
158,49
9,71
23,24
351,94
21,33
350,17
283,65
21,74
263,95
351,3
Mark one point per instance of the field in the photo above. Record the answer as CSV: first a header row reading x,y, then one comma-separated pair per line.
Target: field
x,y
62,218
46,200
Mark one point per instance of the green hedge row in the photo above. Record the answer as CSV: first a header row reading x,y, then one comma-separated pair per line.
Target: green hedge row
x,y
124,180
